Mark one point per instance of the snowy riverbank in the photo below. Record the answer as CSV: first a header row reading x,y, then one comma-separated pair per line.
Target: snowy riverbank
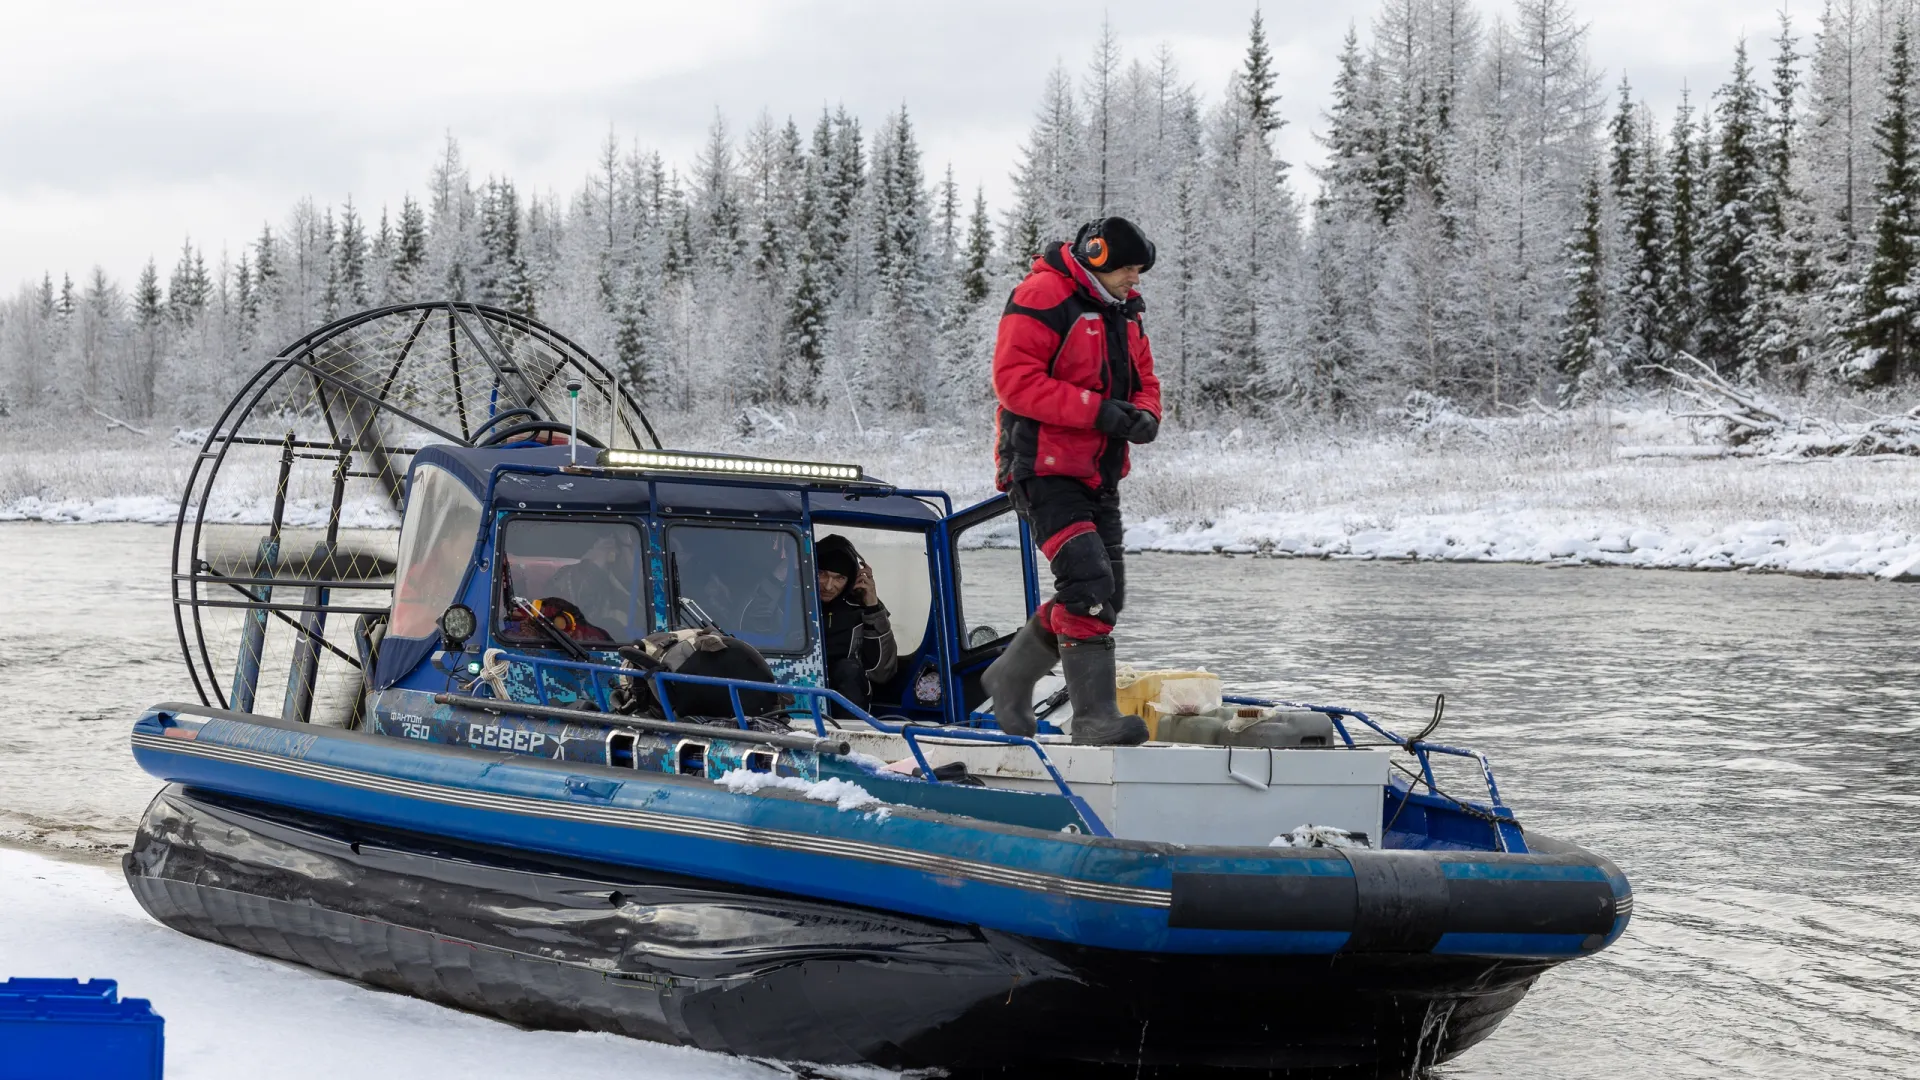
x,y
1622,487
232,1015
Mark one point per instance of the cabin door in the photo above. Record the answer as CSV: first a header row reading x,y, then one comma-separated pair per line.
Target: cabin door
x,y
992,588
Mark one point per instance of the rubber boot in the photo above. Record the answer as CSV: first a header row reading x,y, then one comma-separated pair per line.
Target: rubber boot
x,y
1010,679
1097,720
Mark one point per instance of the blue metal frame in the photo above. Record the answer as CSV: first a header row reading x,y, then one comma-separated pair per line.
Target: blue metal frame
x,y
1507,831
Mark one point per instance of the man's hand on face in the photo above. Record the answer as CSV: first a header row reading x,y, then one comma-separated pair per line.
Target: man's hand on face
x,y
863,587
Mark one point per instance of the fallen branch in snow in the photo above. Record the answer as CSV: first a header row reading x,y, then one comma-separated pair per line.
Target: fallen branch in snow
x,y
1753,425
114,422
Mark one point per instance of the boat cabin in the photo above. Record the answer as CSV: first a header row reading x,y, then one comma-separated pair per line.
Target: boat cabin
x,y
616,552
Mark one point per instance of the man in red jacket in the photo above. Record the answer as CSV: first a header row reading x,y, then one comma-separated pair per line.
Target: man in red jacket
x,y
1074,376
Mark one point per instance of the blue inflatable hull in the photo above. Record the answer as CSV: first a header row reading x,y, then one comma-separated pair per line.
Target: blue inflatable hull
x,y
558,894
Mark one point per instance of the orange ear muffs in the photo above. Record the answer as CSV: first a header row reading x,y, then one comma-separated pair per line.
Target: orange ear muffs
x,y
1096,252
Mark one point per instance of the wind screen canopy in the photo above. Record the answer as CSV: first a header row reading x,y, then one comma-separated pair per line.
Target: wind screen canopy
x,y
747,580
584,576
436,545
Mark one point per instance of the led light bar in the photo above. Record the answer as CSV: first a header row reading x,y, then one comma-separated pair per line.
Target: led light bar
x,y
725,465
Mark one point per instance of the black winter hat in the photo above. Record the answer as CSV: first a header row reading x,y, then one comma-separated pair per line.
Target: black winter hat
x,y
836,554
1111,243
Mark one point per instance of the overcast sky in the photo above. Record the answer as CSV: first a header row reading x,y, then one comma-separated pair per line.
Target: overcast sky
x,y
128,125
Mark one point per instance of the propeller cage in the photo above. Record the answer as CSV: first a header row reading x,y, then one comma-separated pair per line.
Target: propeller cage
x,y
285,543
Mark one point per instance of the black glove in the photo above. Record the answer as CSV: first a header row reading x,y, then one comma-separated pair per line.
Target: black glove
x,y
1145,427
1116,418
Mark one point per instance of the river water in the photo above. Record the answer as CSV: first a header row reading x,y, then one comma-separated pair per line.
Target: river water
x,y
1746,748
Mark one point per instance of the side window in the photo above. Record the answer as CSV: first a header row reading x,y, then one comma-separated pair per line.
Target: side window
x,y
747,580
990,580
584,576
436,544
900,577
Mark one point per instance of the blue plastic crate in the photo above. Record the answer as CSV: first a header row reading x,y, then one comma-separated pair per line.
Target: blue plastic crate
x,y
66,1029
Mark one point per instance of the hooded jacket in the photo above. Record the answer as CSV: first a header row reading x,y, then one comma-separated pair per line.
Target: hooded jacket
x,y
1061,350
850,630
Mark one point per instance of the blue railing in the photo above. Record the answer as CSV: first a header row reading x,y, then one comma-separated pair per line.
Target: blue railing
x,y
1506,830
818,698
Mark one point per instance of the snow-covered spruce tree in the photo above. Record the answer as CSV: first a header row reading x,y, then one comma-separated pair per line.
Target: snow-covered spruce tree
x,y
1623,167
379,258
1839,117
968,334
1784,317
1883,328
189,289
1623,141
351,255
844,172
1342,261
1729,244
1250,247
409,254
501,275
1645,261
808,302
897,340
1679,295
453,242
137,380
1414,91
1049,182
1583,357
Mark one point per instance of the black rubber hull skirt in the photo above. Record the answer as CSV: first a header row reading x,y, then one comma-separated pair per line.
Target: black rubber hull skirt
x,y
569,946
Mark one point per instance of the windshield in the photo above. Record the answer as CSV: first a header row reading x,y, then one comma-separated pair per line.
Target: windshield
x,y
583,576
747,580
436,544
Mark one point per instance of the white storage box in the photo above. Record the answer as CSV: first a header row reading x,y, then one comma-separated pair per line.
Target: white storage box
x,y
1185,794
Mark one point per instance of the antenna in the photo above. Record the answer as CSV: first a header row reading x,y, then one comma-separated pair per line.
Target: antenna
x,y
573,434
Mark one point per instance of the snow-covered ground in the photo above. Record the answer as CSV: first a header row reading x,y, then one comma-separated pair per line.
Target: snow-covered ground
x,y
233,1015
1628,486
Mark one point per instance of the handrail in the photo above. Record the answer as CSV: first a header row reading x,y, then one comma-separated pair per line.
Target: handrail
x,y
1500,812
816,696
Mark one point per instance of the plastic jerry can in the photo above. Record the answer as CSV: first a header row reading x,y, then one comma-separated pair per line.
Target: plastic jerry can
x,y
1248,725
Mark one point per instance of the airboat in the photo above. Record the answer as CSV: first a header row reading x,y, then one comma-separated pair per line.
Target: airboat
x,y
420,566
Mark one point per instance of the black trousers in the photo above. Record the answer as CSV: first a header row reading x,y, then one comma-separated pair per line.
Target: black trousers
x,y
1079,531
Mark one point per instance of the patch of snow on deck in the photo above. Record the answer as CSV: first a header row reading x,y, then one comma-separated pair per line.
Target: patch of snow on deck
x,y
844,794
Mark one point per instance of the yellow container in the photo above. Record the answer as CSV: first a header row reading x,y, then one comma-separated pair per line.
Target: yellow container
x,y
1152,694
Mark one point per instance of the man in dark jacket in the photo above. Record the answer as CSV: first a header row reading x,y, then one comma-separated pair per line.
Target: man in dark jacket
x,y
1074,375
854,629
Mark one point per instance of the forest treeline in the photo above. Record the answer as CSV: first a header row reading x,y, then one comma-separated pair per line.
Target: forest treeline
x,y
1495,223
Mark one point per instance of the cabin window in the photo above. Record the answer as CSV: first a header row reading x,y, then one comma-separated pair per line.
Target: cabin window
x,y
900,575
747,580
436,546
583,575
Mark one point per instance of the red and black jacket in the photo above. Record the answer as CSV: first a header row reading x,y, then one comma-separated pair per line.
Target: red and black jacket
x,y
1061,350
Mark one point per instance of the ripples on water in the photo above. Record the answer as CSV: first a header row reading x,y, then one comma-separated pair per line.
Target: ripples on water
x,y
1746,748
